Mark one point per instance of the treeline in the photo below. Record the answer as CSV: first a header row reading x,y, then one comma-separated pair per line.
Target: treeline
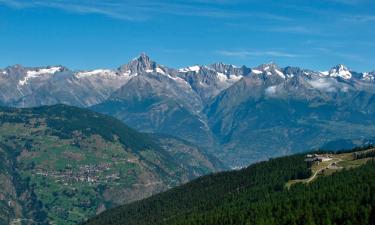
x,y
365,154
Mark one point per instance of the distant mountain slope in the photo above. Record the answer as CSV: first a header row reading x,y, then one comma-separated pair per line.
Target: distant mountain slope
x,y
240,114
257,195
63,164
280,111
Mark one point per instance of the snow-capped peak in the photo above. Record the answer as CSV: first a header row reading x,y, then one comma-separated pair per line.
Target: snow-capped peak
x,y
195,68
48,70
340,71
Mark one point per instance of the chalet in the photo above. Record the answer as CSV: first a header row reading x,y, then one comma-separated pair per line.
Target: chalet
x,y
323,158
317,158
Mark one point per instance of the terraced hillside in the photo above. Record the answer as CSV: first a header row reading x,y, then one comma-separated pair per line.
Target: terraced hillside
x,y
62,164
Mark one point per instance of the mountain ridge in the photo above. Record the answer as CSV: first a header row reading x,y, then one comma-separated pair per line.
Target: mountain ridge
x,y
214,106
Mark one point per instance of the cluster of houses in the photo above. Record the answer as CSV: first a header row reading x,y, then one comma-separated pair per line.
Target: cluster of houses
x,y
317,158
85,173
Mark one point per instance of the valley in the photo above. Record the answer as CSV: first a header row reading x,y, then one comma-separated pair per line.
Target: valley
x,y
65,164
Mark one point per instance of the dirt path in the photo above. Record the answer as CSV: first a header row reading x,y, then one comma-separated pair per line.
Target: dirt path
x,y
320,170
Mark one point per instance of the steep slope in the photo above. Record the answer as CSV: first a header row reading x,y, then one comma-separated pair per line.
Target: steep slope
x,y
63,164
257,195
156,100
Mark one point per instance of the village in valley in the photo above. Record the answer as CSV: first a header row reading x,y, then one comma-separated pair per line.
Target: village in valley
x,y
84,173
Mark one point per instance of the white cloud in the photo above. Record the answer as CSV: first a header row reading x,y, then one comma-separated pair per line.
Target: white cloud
x,y
142,10
256,53
271,90
324,84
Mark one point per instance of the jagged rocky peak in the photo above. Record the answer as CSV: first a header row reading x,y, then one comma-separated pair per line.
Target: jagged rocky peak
x,y
139,65
292,71
221,67
229,69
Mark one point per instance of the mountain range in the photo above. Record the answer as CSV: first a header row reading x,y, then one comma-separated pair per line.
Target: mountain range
x,y
239,114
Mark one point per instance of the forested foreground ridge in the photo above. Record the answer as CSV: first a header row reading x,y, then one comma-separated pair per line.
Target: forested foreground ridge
x,y
342,192
61,164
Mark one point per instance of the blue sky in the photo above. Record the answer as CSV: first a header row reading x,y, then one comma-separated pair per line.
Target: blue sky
x,y
89,34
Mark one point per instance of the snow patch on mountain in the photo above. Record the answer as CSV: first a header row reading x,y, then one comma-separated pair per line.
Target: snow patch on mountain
x,y
222,77
232,78
98,72
159,70
281,74
235,77
191,68
256,71
31,74
51,70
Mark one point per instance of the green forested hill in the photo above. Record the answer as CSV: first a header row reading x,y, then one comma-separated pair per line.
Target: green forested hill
x,y
61,164
257,195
